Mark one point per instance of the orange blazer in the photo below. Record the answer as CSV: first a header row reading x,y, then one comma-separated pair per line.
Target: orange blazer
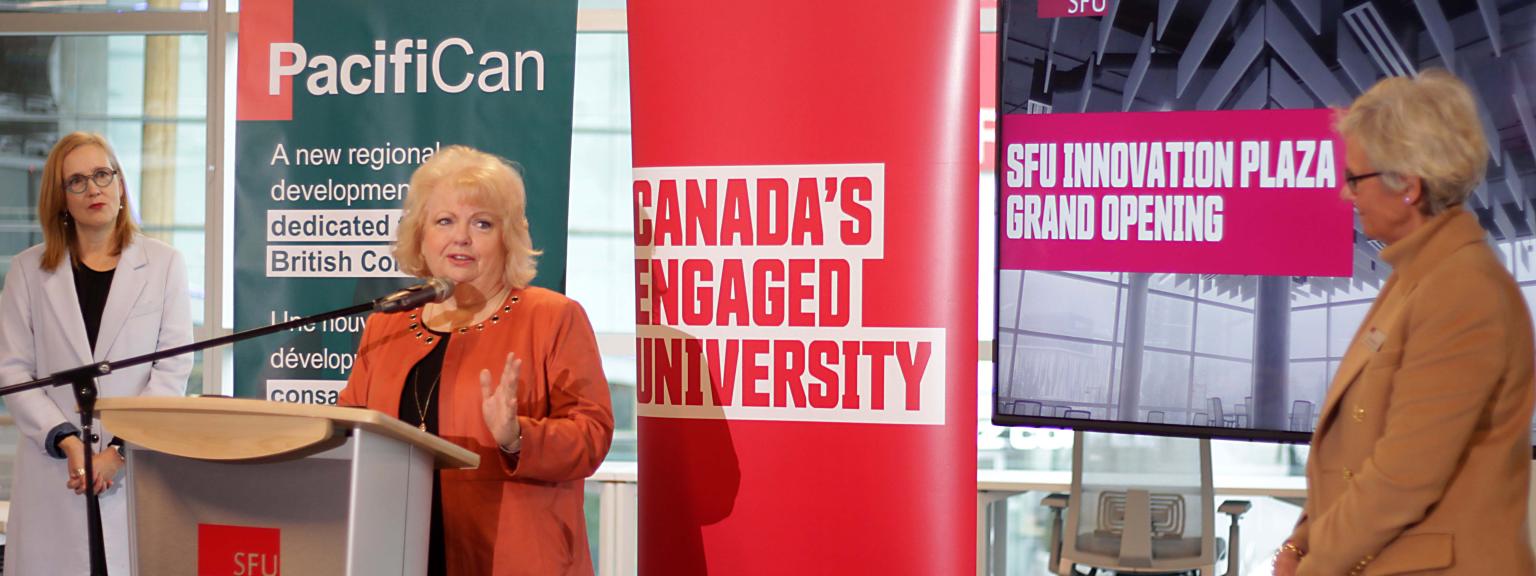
x,y
1422,456
513,515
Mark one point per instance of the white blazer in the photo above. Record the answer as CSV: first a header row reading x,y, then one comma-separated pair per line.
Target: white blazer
x,y
42,332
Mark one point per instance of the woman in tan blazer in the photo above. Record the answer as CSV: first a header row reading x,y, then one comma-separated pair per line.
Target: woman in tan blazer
x,y
1422,455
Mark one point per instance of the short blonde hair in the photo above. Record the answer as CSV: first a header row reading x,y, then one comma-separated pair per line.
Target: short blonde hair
x,y
59,238
489,181
1426,127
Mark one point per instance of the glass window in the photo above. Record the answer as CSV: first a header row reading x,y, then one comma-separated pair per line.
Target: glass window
x,y
601,249
1169,322
1007,351
1117,357
147,95
1229,380
620,371
1342,323
1525,262
1235,458
1165,379
1063,371
1120,295
986,261
107,6
1063,305
601,276
1309,382
1309,333
1224,331
1008,300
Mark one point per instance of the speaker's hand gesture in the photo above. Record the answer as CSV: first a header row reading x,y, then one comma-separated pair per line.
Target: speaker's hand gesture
x,y
499,404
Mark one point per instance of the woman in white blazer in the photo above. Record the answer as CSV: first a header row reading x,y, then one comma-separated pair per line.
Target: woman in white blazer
x,y
94,290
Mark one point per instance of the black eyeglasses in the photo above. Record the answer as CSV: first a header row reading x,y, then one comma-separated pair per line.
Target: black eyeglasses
x,y
102,178
1351,179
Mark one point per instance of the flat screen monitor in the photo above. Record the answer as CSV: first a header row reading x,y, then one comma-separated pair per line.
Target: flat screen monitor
x,y
1173,254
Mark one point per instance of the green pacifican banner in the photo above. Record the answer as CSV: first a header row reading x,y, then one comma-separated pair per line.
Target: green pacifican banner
x,y
338,102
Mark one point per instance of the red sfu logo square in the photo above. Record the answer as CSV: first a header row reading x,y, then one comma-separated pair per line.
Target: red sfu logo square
x,y
238,551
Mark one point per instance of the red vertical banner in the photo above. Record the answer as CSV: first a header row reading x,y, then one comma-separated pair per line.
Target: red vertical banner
x,y
805,194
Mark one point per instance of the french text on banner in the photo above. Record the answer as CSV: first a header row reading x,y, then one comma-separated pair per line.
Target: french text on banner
x,y
304,391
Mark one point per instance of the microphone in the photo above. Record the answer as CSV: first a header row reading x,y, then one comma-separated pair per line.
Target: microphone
x,y
433,290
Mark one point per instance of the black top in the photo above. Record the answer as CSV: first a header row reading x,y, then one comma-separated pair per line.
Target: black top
x,y
418,398
418,402
91,288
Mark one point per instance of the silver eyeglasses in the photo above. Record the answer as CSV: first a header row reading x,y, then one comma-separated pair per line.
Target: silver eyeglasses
x,y
102,178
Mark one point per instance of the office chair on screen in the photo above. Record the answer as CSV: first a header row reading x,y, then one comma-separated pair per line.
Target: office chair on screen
x,y
1301,416
1140,505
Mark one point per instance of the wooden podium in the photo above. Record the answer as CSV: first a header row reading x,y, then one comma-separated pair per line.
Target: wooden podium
x,y
245,487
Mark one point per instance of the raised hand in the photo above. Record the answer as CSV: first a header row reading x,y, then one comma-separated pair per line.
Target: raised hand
x,y
499,404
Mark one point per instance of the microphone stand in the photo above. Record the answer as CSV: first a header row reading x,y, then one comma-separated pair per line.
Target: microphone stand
x,y
83,381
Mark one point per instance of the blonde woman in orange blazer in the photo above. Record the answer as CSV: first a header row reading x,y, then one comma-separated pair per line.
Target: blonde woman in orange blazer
x,y
1422,456
507,370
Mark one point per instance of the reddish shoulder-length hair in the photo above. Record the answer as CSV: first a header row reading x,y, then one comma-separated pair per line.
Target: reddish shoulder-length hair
x,y
53,210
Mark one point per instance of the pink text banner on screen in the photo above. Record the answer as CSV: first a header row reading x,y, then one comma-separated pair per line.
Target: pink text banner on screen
x,y
1221,192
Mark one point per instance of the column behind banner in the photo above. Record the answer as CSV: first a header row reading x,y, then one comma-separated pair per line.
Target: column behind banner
x,y
805,226
338,102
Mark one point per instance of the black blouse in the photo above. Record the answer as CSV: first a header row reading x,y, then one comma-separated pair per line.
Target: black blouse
x,y
91,288
419,407
418,398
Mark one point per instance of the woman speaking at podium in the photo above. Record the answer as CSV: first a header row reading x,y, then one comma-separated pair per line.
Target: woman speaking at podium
x,y
1421,459
93,290
502,368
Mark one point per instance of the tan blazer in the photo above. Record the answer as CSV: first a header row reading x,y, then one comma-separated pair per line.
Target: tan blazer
x,y
1422,456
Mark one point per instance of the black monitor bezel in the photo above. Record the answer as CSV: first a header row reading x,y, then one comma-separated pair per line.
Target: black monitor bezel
x,y
1115,426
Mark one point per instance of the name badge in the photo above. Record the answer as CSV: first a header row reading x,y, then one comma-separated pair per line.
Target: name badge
x,y
1375,338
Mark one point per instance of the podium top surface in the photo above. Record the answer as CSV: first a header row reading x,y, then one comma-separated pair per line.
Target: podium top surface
x,y
243,429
